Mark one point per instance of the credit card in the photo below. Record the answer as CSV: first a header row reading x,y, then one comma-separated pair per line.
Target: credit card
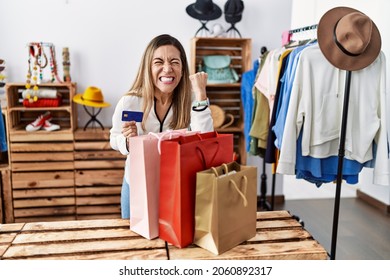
x,y
132,116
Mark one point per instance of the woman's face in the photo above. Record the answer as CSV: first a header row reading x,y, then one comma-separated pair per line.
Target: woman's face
x,y
166,68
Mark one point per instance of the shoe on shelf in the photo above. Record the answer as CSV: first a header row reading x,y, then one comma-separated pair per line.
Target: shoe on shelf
x,y
48,126
39,122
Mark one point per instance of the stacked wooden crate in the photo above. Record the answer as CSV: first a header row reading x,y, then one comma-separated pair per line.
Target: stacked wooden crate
x,y
226,96
41,162
99,174
4,168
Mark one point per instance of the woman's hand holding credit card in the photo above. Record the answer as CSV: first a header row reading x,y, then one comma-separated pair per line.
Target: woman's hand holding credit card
x,y
129,127
128,116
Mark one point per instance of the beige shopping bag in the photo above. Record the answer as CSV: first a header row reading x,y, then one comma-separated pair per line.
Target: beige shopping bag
x,y
225,206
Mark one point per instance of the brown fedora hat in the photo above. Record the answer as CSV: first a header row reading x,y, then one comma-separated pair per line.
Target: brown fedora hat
x,y
348,38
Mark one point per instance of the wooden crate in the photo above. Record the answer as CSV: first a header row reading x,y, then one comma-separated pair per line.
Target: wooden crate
x,y
279,237
226,96
99,174
4,155
239,49
6,194
20,116
77,240
42,180
43,196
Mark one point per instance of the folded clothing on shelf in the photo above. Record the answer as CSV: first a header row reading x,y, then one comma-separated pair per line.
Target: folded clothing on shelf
x,y
43,102
41,93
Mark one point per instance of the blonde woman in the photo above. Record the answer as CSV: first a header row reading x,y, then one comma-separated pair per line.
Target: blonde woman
x,y
168,96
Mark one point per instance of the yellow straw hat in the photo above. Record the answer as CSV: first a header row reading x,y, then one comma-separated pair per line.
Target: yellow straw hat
x,y
92,97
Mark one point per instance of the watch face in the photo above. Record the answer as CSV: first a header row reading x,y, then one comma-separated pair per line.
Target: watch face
x,y
218,115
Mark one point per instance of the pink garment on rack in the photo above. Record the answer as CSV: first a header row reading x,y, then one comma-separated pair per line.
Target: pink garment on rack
x,y
286,37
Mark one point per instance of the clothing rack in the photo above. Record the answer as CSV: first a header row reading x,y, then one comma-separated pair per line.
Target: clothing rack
x,y
340,164
301,29
341,151
264,204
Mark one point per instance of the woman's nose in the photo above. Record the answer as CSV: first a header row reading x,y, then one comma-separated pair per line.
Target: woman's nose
x,y
167,67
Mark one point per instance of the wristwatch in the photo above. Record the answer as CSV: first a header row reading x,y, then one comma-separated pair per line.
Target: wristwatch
x,y
201,103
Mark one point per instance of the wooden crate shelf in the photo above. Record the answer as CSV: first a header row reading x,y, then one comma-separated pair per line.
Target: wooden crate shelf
x,y
43,195
279,237
41,162
99,174
226,96
20,116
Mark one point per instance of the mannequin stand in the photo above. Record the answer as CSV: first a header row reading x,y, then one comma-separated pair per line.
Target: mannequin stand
x,y
263,203
340,164
93,118
203,27
233,31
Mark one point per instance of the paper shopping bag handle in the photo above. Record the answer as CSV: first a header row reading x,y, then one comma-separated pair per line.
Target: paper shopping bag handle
x,y
163,135
225,168
198,148
238,190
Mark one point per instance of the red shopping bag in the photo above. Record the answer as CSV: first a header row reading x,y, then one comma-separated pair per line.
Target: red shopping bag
x,y
180,160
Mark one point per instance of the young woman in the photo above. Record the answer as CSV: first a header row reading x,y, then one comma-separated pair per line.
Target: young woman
x,y
168,96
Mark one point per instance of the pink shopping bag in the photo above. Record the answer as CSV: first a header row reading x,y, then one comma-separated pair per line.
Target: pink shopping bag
x,y
144,181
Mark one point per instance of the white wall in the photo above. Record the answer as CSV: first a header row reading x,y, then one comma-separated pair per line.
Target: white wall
x,y
377,10
106,38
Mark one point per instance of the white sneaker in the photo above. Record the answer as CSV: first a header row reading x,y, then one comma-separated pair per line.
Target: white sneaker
x,y
37,124
48,126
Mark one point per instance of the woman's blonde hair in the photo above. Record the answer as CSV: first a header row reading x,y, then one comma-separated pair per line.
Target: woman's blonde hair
x,y
143,85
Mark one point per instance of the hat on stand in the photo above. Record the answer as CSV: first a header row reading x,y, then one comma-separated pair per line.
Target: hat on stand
x,y
92,97
204,10
349,39
233,10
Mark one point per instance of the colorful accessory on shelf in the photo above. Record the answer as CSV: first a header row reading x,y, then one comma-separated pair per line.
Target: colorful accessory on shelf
x,y
37,61
66,64
92,97
53,65
34,52
219,70
221,119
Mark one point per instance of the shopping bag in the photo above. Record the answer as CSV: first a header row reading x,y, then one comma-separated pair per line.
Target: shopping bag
x,y
144,181
225,207
181,159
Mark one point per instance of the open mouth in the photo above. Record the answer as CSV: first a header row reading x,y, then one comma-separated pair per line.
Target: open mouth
x,y
166,79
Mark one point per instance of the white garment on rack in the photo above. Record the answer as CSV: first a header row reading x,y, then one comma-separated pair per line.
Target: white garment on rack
x,y
316,106
267,81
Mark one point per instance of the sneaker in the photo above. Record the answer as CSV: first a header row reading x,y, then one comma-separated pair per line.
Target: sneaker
x,y
38,123
48,126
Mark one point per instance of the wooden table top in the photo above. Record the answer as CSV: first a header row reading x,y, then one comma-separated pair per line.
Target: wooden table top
x,y
279,237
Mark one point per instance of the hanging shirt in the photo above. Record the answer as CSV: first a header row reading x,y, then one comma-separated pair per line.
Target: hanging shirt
x,y
247,81
284,100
